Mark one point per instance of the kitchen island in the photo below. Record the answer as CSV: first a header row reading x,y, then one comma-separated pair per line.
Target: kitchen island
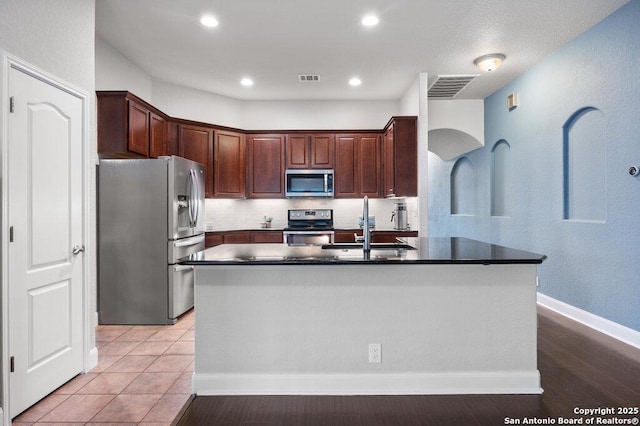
x,y
450,315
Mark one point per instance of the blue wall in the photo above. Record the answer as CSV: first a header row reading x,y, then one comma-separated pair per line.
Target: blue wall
x,y
560,185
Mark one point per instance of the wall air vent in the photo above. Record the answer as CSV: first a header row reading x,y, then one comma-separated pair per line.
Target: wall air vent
x,y
448,86
308,78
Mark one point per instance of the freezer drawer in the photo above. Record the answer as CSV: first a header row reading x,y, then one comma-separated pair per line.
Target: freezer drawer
x,y
181,279
177,249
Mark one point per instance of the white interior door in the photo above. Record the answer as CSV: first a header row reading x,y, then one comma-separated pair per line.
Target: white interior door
x,y
45,208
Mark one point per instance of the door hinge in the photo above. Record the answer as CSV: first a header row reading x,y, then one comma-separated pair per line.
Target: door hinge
x,y
11,234
12,365
12,103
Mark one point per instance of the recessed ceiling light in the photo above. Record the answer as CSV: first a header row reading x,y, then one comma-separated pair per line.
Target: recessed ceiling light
x,y
370,20
209,21
355,81
246,82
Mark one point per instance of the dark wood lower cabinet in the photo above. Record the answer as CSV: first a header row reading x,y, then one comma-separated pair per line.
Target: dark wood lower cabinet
x,y
213,239
258,237
347,235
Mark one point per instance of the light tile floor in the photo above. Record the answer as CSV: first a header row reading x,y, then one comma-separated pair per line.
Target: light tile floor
x,y
143,377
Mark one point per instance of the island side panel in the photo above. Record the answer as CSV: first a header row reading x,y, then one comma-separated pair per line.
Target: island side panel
x,y
306,329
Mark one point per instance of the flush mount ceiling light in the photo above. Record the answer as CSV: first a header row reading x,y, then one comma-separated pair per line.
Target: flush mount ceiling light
x,y
489,62
355,81
246,82
370,21
209,21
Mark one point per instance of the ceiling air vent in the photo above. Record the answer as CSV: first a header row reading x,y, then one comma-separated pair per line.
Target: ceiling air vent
x,y
308,78
448,86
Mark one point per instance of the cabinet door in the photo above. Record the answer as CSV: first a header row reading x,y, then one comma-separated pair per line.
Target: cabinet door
x,y
389,163
297,150
369,165
157,136
322,150
213,239
266,162
346,179
138,129
405,152
237,237
196,143
346,236
229,165
259,237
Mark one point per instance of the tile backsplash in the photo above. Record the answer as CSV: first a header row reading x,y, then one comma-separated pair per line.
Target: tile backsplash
x,y
231,214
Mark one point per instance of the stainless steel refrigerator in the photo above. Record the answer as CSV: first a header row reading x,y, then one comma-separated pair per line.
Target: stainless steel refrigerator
x,y
150,214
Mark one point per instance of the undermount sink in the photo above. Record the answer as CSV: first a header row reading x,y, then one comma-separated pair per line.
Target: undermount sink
x,y
374,246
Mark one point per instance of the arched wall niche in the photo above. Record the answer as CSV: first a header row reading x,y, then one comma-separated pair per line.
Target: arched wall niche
x,y
584,165
463,191
501,179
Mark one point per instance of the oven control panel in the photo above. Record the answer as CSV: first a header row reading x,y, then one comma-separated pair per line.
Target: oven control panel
x,y
310,214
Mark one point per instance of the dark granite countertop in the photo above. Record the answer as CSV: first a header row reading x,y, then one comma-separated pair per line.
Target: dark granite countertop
x,y
422,251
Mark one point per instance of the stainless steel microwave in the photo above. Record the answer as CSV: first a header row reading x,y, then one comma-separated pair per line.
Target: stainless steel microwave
x,y
309,183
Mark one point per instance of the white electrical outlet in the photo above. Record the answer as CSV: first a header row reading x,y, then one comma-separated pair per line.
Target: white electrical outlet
x,y
375,353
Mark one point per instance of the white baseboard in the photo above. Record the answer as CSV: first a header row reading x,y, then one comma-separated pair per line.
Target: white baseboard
x,y
603,325
92,360
519,382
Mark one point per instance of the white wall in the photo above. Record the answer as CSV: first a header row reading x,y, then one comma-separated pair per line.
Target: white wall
x,y
115,72
455,127
410,101
191,104
58,38
330,115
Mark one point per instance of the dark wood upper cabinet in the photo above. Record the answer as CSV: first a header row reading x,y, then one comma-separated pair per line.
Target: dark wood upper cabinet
x,y
229,165
158,127
138,128
297,149
129,127
240,164
265,165
400,157
322,151
357,171
196,143
314,151
369,163
346,175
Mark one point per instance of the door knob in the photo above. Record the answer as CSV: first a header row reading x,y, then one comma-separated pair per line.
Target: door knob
x,y
77,250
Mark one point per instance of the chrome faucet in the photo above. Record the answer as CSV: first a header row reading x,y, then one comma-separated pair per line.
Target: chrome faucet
x,y
366,232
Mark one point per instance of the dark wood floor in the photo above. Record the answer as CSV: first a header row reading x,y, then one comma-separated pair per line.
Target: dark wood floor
x,y
580,368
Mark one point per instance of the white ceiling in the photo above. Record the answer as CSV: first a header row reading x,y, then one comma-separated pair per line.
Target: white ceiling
x,y
273,41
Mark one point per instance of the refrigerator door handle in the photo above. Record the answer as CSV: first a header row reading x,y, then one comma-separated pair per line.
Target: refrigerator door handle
x,y
189,241
181,268
190,196
195,197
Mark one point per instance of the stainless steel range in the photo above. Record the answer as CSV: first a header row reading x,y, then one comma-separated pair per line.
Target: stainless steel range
x,y
309,227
